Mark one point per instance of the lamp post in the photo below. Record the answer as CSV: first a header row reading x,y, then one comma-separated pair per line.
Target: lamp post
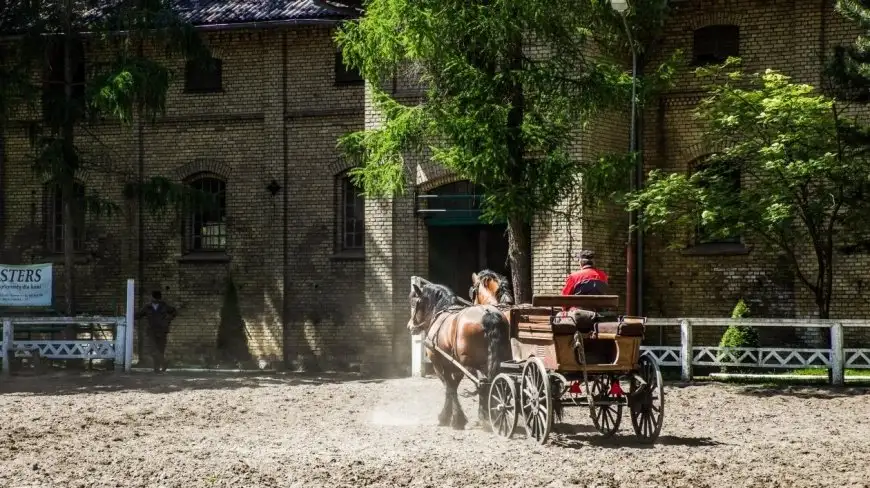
x,y
621,6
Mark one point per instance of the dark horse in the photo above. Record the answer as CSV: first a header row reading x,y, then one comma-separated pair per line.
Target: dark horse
x,y
474,336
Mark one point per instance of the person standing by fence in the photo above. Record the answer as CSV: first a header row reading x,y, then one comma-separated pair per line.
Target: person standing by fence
x,y
160,315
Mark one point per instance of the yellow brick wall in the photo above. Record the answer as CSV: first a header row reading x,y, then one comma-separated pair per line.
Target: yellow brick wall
x,y
240,135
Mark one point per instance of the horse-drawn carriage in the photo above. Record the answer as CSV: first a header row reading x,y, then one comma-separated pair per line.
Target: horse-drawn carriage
x,y
575,357
564,351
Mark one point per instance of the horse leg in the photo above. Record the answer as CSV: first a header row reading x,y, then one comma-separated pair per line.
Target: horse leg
x,y
447,409
459,419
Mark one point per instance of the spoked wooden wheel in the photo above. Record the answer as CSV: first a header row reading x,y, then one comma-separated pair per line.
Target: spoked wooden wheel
x,y
647,402
607,416
536,400
502,405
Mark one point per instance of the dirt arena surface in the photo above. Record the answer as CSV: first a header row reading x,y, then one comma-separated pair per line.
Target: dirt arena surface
x,y
185,430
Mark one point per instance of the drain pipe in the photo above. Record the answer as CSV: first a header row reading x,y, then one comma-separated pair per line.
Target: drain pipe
x,y
637,128
634,258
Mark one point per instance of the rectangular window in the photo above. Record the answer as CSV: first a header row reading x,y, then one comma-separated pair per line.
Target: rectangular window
x,y
352,217
203,76
345,75
730,176
207,226
714,44
54,79
54,217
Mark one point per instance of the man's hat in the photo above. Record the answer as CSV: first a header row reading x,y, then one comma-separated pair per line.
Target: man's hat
x,y
585,255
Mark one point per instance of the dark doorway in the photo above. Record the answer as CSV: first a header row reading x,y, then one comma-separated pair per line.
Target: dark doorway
x,y
455,252
459,242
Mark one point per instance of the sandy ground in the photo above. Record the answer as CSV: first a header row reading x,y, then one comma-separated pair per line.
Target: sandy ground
x,y
183,430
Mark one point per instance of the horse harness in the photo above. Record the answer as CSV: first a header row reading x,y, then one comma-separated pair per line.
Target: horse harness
x,y
441,317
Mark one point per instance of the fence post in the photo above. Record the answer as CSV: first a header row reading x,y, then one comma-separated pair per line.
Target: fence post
x,y
128,334
120,344
7,345
686,353
837,358
417,355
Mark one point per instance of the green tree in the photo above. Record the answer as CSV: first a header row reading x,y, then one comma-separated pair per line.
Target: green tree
x,y
849,70
804,176
508,87
132,84
737,336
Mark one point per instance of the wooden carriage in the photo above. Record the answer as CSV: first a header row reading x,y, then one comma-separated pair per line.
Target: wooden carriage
x,y
573,351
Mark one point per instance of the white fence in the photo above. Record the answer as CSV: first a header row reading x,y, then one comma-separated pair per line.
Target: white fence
x,y
115,348
686,355
119,348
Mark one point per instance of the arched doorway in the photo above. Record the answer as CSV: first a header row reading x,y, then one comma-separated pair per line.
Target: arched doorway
x,y
459,242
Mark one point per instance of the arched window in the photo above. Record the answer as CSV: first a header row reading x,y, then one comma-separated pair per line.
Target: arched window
x,y
53,212
206,226
713,44
351,215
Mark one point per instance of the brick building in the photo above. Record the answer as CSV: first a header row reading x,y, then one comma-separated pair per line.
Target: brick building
x,y
320,276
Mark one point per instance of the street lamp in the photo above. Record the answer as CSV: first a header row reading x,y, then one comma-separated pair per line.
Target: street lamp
x,y
621,7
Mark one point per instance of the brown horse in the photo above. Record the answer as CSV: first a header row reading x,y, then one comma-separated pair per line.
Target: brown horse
x,y
491,288
474,336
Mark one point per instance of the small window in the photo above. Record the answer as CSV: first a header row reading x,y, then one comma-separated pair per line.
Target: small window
x,y
352,216
54,80
729,175
203,76
53,205
345,75
715,43
206,228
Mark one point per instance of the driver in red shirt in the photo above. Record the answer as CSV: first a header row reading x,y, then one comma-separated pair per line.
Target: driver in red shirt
x,y
588,281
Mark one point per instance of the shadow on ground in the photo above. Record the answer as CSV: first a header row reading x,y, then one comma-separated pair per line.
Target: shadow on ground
x,y
574,436
74,383
591,438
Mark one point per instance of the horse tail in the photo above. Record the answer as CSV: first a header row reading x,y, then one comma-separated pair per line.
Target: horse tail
x,y
496,330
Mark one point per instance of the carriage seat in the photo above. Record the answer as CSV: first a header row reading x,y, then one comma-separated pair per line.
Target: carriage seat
x,y
583,320
626,328
587,321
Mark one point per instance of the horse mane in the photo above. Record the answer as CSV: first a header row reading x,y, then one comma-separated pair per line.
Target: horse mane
x,y
441,297
504,294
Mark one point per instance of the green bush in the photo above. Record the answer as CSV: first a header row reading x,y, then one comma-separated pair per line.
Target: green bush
x,y
737,335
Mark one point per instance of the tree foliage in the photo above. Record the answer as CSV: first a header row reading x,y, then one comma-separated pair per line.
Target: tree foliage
x,y
508,85
803,174
737,336
849,70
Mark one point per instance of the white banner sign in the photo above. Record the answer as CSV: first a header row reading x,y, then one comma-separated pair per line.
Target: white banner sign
x,y
28,285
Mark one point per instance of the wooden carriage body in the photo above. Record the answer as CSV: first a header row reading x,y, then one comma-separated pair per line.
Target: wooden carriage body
x,y
544,330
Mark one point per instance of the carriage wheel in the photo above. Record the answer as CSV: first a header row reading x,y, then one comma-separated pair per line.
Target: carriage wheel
x,y
647,402
606,418
502,405
536,400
